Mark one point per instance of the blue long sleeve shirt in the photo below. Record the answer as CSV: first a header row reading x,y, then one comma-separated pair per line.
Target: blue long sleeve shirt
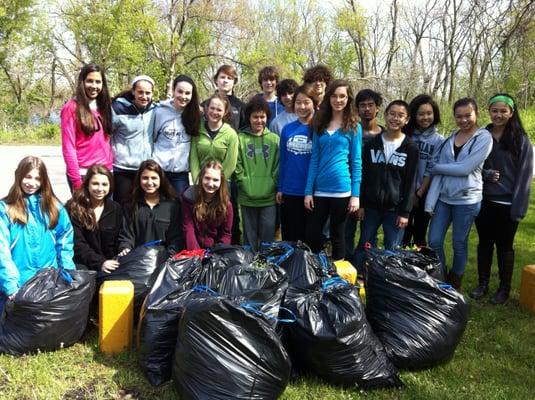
x,y
335,165
295,151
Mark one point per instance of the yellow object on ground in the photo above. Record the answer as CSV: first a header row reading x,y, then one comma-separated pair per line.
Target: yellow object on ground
x,y
346,271
527,288
116,316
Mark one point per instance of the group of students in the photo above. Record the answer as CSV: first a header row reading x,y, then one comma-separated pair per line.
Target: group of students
x,y
311,157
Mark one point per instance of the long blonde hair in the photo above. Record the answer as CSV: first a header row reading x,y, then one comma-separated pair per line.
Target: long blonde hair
x,y
215,210
15,199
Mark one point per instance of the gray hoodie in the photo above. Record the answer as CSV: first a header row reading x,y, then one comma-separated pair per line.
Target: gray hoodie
x,y
171,142
428,143
459,182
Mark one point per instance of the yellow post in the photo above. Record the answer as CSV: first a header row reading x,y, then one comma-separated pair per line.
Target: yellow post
x,y
116,316
346,271
527,288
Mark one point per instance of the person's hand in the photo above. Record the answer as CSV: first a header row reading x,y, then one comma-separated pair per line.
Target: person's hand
x,y
278,197
353,205
402,222
123,252
360,214
12,295
309,203
109,266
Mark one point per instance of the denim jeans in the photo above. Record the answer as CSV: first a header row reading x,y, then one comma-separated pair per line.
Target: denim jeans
x,y
258,225
179,181
461,217
373,219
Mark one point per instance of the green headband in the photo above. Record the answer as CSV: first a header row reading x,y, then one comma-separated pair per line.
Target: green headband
x,y
503,99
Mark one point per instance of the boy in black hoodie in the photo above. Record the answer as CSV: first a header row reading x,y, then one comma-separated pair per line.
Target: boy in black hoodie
x,y
389,165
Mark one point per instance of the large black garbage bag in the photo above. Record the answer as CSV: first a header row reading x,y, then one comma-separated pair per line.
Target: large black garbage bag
x,y
277,252
425,258
225,352
232,253
214,268
161,311
141,267
306,269
332,338
48,312
419,319
260,282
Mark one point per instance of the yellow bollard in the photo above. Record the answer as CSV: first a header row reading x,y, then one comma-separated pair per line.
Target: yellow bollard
x,y
346,271
527,288
116,316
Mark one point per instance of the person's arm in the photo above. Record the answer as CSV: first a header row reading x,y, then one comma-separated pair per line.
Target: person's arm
x,y
355,155
231,157
9,273
225,233
275,171
239,171
194,163
480,151
127,237
422,190
188,227
68,143
313,166
64,240
175,236
282,164
409,182
520,203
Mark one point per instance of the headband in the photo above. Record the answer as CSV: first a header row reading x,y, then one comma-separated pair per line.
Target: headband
x,y
142,78
503,99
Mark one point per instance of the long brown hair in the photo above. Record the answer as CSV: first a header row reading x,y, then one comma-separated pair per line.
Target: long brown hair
x,y
84,117
80,205
191,116
216,209
15,199
325,113
165,190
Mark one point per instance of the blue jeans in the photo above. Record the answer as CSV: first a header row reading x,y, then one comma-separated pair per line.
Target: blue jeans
x,y
461,217
179,181
373,219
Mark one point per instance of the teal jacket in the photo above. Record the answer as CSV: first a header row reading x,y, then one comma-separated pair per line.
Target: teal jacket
x,y
25,249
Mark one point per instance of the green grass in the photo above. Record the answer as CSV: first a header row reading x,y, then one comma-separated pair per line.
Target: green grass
x,y
495,359
44,134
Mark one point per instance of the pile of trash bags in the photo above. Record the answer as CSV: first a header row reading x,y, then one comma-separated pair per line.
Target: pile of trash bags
x,y
229,323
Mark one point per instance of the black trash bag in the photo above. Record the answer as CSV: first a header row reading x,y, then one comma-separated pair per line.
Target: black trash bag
x,y
213,270
161,311
277,252
259,282
306,269
333,340
225,352
49,312
419,319
233,254
425,258
141,267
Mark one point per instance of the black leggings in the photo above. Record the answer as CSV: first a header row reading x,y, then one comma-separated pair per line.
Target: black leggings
x,y
495,227
294,217
334,208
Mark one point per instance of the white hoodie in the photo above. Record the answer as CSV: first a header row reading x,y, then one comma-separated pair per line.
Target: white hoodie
x,y
171,142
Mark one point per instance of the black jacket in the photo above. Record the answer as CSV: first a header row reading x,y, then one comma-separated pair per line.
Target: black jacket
x,y
92,248
389,186
162,222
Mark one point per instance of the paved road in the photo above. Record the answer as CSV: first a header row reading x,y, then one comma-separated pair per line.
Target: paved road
x,y
51,155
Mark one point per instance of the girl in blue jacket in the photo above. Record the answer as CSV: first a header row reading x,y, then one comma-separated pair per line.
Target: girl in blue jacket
x,y
333,183
35,230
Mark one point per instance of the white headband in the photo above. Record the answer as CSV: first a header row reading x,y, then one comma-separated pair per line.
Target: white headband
x,y
142,78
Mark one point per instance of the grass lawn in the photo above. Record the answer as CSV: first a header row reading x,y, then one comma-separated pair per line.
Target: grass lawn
x,y
495,359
